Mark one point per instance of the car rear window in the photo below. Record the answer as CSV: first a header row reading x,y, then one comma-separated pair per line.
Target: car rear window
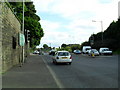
x,y
78,50
63,54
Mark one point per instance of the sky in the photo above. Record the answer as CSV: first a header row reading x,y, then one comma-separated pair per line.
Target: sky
x,y
70,21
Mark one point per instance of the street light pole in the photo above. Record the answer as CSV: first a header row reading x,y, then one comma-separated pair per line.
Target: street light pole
x,y
23,34
102,30
101,22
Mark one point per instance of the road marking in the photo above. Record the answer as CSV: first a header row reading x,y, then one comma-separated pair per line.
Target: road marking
x,y
105,56
86,55
53,74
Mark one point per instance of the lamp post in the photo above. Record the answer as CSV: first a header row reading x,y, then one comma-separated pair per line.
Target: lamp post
x,y
23,34
101,28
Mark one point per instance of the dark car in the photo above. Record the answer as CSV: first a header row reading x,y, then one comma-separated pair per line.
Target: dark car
x,y
77,52
52,52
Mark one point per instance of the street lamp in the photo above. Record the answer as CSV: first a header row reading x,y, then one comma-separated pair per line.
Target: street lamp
x,y
101,27
23,34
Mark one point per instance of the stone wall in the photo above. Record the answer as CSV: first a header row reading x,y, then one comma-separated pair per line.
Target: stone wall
x,y
0,38
11,27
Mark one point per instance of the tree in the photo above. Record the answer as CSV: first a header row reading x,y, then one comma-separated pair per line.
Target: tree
x,y
74,47
31,21
63,45
111,37
45,46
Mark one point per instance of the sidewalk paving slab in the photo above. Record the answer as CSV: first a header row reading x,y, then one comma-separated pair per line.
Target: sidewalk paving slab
x,y
33,74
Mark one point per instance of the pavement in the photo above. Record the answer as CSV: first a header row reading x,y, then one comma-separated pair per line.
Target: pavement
x,y
33,74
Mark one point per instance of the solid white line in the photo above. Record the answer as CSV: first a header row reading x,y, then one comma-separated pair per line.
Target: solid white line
x,y
53,74
105,56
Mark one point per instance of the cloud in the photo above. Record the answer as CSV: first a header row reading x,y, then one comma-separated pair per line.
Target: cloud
x,y
70,21
105,1
55,38
43,5
49,26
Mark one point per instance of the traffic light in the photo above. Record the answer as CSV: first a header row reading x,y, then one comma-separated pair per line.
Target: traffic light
x,y
28,35
92,40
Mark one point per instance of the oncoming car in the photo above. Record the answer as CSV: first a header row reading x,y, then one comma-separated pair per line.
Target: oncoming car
x,y
62,57
77,52
93,51
105,51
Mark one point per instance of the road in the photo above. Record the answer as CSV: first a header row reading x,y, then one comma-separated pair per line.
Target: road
x,y
85,72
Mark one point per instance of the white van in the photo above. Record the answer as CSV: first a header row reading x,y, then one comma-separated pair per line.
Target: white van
x,y
86,49
105,51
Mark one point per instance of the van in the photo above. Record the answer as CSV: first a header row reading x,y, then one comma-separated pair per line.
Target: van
x,y
105,51
86,49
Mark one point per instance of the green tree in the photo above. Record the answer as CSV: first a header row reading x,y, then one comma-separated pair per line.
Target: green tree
x,y
45,46
31,21
74,47
63,45
111,37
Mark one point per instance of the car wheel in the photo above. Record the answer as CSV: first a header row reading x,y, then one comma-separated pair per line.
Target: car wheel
x,y
56,63
53,61
69,63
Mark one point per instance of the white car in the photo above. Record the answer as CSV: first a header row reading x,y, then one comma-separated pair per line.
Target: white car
x,y
93,51
36,52
62,57
105,51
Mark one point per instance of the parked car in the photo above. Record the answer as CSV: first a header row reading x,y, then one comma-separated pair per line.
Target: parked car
x,y
36,52
105,51
85,49
77,52
62,57
93,51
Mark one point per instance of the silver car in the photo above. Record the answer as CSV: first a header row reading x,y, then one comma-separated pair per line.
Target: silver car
x,y
62,57
93,51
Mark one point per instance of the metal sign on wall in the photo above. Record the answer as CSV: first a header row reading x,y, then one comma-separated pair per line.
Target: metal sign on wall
x,y
21,39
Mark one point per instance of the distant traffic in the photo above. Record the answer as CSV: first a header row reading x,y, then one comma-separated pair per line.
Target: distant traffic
x,y
88,50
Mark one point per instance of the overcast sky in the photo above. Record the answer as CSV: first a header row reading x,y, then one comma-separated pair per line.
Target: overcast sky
x,y
70,21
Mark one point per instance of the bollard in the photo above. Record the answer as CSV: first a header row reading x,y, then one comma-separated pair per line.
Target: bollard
x,y
93,55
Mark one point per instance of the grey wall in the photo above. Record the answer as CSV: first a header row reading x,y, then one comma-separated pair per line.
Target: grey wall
x,y
11,28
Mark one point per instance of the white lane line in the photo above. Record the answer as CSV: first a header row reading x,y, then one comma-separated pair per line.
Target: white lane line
x,y
96,56
53,74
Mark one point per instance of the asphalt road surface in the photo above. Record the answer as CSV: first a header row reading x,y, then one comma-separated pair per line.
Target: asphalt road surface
x,y
85,72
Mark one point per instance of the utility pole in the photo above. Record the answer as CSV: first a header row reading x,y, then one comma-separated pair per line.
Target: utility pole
x,y
102,30
101,22
23,34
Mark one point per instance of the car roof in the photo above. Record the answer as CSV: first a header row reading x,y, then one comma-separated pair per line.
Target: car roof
x,y
104,48
93,49
62,51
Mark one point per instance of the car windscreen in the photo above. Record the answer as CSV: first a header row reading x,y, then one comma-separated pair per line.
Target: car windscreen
x,y
94,50
88,49
63,54
106,49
